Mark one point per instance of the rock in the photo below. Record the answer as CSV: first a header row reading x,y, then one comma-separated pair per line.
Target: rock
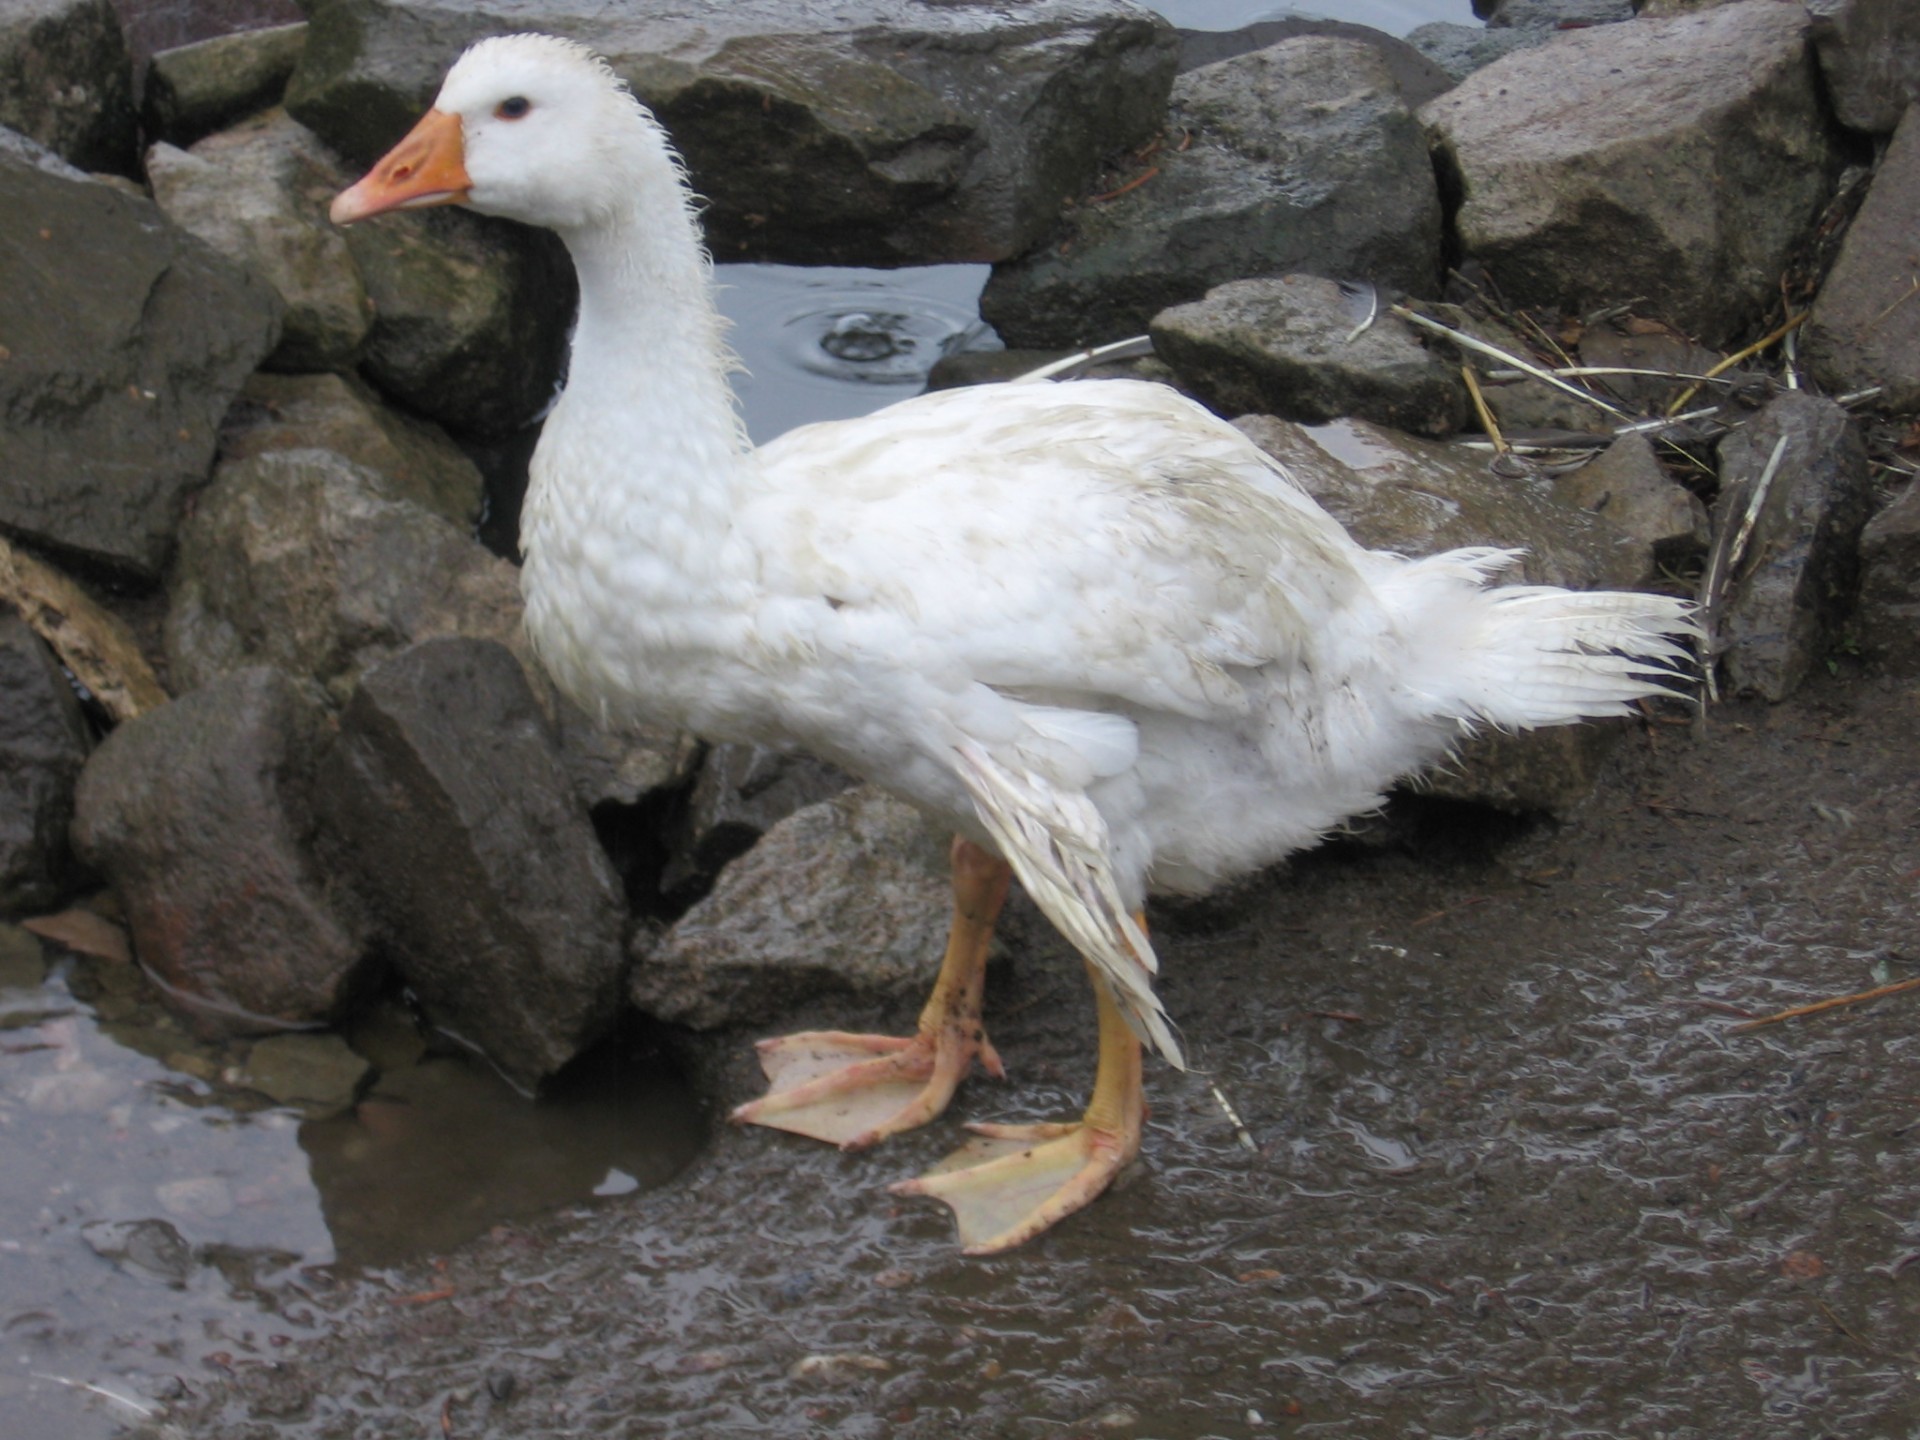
x,y
1287,347
1889,613
1462,49
847,897
1644,346
1298,157
414,459
1555,15
1865,325
1870,57
470,315
446,798
1795,585
1416,77
143,1247
198,813
257,193
317,1072
66,81
302,559
1519,405
1583,165
1626,485
1416,497
43,744
193,90
743,791
125,339
873,132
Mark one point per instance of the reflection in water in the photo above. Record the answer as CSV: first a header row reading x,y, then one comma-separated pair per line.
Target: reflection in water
x,y
442,1150
155,1215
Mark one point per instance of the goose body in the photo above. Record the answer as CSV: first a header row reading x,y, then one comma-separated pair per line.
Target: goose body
x,y
1092,627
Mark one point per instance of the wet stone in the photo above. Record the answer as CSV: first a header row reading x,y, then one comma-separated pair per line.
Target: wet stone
x,y
447,800
1862,331
43,744
199,815
1626,485
320,1073
848,896
126,338
202,1197
1578,164
193,90
1287,347
1301,156
1795,585
145,1247
1889,613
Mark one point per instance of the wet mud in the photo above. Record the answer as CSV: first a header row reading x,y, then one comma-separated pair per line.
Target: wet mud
x,y
1512,1172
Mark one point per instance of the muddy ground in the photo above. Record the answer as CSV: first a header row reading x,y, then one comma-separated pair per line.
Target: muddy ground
x,y
1513,1174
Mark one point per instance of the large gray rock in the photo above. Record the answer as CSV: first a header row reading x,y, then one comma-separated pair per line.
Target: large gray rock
x,y
1626,485
414,459
66,80
1416,497
257,193
1865,326
43,744
193,90
198,813
1795,586
470,315
847,897
876,131
125,339
1299,157
1675,161
304,560
447,799
1288,347
1889,614
1870,56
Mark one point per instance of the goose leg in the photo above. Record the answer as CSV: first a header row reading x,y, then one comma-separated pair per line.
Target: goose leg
x,y
1013,1181
852,1090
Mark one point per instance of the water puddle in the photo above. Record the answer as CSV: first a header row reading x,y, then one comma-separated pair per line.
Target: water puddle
x,y
832,342
160,1216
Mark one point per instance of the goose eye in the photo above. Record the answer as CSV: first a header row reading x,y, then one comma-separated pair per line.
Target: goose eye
x,y
513,107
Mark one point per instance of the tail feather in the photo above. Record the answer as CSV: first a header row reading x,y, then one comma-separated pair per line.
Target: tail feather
x,y
1523,656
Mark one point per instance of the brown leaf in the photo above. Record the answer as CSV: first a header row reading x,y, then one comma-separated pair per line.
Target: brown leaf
x,y
85,932
91,641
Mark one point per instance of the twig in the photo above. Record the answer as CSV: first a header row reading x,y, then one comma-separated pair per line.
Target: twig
x,y
1487,422
1723,560
1469,342
1134,184
1795,1011
1779,333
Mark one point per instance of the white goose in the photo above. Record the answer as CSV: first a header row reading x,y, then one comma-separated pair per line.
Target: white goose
x,y
1090,626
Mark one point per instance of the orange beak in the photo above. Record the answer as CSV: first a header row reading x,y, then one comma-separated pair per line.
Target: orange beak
x,y
429,167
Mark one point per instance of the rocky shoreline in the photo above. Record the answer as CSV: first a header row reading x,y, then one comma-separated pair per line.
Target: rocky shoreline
x,y
246,453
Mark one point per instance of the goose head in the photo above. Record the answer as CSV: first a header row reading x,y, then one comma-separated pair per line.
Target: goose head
x,y
530,127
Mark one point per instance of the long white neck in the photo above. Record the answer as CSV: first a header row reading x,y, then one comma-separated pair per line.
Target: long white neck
x,y
646,441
